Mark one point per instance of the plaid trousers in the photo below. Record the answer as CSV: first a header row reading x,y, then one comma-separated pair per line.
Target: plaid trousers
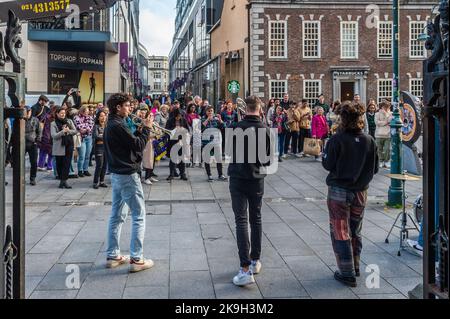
x,y
346,210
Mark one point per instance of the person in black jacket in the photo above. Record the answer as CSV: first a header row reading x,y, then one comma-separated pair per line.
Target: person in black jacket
x,y
124,155
351,158
177,121
247,190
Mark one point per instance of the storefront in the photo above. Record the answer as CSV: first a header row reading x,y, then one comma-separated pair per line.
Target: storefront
x,y
84,71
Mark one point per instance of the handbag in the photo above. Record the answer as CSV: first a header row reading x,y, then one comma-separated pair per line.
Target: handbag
x,y
312,147
77,140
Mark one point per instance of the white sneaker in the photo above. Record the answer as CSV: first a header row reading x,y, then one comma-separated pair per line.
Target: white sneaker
x,y
415,247
388,165
244,278
298,155
154,180
284,156
140,265
381,165
148,182
255,267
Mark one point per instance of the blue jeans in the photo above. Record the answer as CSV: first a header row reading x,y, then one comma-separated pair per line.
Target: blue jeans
x,y
84,153
127,192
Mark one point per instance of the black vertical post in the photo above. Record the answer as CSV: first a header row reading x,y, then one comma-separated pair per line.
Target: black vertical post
x,y
19,207
2,188
429,255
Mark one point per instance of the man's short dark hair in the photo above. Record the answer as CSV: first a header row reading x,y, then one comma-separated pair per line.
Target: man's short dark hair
x,y
304,101
116,100
43,98
253,102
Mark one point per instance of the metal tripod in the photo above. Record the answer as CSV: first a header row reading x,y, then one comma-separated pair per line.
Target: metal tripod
x,y
404,229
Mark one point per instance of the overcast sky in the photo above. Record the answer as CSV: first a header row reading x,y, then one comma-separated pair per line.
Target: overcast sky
x,y
157,25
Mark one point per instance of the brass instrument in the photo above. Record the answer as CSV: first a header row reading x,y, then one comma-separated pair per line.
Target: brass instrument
x,y
155,129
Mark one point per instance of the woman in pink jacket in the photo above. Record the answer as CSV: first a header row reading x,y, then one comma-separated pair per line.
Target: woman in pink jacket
x,y
319,127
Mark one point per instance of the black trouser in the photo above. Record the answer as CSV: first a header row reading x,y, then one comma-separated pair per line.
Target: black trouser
x,y
247,194
181,167
32,151
63,164
304,133
148,173
294,137
100,164
219,169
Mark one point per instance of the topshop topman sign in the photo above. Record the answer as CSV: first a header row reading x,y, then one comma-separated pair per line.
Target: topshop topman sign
x,y
37,9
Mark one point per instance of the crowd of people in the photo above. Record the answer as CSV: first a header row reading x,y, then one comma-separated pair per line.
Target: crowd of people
x,y
127,138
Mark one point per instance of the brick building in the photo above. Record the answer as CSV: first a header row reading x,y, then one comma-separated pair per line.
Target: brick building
x,y
339,48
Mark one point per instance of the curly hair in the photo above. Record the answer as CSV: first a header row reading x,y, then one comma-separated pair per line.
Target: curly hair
x,y
116,100
351,115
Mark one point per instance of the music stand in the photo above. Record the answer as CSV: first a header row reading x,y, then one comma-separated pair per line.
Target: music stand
x,y
404,229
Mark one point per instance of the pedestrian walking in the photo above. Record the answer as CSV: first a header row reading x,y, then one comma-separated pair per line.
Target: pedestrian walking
x,y
352,160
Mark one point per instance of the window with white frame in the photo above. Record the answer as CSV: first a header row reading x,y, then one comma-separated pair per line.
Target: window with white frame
x,y
384,39
311,90
384,90
278,39
311,39
157,75
416,48
277,88
349,39
157,86
416,87
157,65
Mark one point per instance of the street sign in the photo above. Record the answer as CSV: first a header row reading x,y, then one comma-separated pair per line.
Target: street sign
x,y
234,87
36,9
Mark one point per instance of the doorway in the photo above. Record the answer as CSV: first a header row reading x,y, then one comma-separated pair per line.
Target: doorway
x,y
347,91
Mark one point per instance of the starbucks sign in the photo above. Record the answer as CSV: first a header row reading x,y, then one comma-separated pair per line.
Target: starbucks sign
x,y
234,87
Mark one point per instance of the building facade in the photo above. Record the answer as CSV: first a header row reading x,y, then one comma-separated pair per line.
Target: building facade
x,y
158,70
190,63
143,83
229,45
338,48
97,54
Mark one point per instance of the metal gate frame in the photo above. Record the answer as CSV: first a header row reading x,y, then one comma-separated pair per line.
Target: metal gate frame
x,y
436,158
12,238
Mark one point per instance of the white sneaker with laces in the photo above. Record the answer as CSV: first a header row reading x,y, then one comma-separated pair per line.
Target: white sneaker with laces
x,y
148,182
255,267
137,266
415,247
154,180
244,278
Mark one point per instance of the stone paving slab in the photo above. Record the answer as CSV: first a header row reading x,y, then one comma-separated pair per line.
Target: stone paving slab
x,y
191,237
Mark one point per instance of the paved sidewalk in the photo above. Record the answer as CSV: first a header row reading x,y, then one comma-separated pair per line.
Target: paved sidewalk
x,y
191,237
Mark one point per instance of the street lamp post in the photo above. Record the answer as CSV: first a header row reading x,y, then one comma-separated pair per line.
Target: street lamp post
x,y
395,190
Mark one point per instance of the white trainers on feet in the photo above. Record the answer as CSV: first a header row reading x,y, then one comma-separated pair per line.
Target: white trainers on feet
x,y
148,182
415,247
255,267
244,278
154,180
116,262
137,266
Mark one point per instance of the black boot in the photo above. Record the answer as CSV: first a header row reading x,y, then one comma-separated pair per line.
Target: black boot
x,y
348,281
66,186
